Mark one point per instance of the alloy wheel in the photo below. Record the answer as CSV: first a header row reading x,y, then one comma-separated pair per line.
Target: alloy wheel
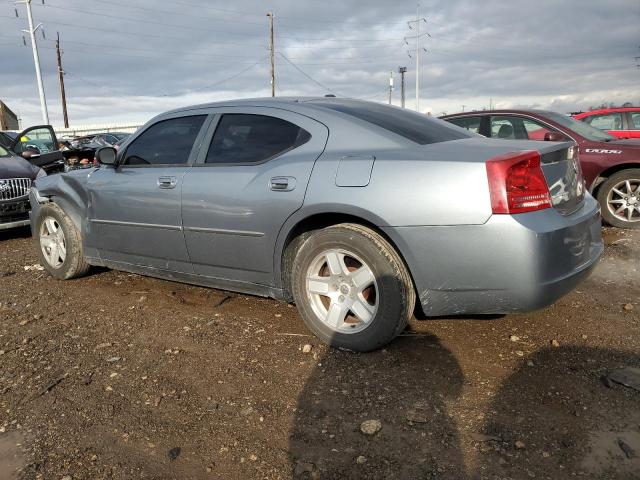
x,y
342,291
623,200
52,242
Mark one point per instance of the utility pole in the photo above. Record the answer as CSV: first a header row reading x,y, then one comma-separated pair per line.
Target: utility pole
x,y
463,107
273,55
402,71
36,60
61,77
390,86
418,21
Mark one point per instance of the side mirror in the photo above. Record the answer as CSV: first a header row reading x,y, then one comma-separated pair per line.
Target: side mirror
x,y
27,154
554,137
106,156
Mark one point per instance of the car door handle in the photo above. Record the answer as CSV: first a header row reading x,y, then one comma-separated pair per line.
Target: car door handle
x,y
167,182
283,184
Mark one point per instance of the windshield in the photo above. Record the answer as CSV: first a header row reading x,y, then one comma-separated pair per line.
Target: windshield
x,y
581,128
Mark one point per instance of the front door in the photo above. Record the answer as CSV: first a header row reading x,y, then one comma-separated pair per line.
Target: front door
x,y
250,177
39,145
134,209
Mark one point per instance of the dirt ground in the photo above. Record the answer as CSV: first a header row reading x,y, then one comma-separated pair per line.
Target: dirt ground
x,y
123,377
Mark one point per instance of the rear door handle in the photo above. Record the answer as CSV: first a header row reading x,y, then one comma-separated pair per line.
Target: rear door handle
x,y
283,184
167,182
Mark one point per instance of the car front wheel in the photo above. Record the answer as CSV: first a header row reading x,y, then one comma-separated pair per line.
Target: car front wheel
x,y
59,243
619,198
352,288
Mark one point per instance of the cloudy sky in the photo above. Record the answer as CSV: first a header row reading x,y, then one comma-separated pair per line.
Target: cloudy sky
x,y
127,61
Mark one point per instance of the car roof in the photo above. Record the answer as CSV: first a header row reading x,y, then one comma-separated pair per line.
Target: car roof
x,y
601,111
293,103
523,111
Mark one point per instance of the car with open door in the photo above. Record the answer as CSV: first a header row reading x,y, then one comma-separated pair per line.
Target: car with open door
x,y
342,206
611,166
39,146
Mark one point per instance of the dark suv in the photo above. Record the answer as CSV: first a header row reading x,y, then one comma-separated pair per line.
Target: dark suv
x,y
16,177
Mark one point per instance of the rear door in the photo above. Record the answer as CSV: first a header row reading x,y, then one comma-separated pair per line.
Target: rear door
x,y
42,146
134,212
633,122
251,175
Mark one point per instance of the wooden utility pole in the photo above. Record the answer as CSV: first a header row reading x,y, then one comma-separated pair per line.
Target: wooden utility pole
x,y
61,77
272,54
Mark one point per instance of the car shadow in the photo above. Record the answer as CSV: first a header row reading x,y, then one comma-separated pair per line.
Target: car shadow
x,y
558,415
555,416
405,387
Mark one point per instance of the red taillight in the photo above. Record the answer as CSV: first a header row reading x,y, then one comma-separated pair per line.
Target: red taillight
x,y
517,184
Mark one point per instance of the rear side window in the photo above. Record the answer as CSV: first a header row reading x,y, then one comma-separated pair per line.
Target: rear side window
x,y
610,121
168,142
245,138
413,126
470,123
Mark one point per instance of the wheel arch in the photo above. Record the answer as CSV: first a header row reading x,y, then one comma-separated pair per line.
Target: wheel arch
x,y
604,175
69,193
305,222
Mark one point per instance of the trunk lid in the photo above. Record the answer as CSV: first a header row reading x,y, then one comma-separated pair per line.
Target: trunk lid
x,y
561,169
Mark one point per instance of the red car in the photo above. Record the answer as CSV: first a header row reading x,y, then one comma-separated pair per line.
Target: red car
x,y
619,122
611,166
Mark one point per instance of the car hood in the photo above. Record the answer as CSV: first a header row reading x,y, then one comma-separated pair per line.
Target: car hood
x,y
16,167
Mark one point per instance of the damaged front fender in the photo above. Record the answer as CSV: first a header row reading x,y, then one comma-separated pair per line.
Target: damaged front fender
x,y
68,191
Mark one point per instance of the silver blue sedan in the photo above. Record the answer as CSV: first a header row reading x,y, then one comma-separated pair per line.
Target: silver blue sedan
x,y
358,212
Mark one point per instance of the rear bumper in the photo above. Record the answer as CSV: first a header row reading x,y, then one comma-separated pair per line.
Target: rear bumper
x,y
510,264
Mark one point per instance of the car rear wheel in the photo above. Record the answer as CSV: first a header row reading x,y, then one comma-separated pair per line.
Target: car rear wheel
x,y
352,288
619,197
59,243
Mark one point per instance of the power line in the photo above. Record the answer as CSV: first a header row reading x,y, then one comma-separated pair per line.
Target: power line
x,y
220,82
307,75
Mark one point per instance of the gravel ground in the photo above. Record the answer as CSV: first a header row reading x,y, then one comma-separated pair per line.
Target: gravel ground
x,y
123,377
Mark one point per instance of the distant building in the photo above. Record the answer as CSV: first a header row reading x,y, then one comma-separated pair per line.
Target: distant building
x,y
8,119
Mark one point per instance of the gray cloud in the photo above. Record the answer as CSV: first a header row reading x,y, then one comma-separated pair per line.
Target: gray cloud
x,y
128,61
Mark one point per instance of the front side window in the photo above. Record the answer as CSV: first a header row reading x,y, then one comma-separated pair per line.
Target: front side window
x,y
535,130
168,142
244,138
609,121
635,120
470,123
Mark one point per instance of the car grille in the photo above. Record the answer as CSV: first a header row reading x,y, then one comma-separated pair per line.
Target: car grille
x,y
13,188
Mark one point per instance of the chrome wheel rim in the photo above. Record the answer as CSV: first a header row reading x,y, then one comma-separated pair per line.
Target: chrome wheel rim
x,y
52,242
623,200
342,291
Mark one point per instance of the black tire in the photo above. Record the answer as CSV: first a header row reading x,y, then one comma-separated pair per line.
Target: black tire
x,y
606,188
395,293
74,264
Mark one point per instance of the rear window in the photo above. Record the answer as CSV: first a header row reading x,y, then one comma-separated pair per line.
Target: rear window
x,y
413,126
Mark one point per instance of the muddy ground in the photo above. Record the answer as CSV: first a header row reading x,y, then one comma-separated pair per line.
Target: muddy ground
x,y
123,377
